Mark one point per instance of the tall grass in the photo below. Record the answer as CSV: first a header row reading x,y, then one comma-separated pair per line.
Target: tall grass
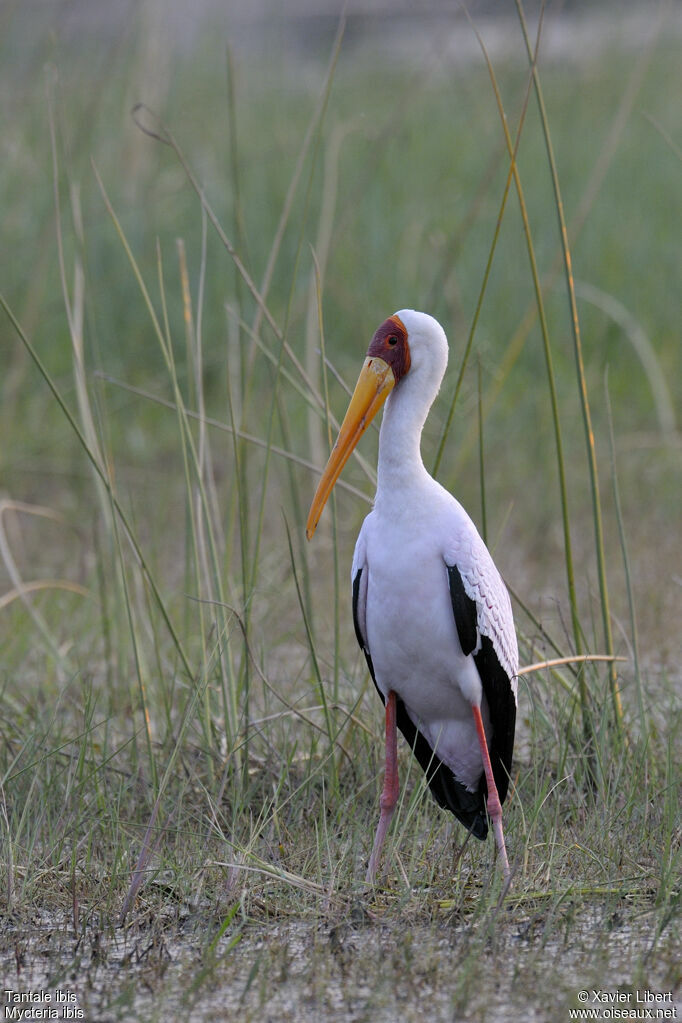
x,y
189,731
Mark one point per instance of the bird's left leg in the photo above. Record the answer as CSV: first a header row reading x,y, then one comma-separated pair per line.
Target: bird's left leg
x,y
389,795
493,801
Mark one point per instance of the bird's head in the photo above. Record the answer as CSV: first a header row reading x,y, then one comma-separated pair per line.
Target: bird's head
x,y
407,344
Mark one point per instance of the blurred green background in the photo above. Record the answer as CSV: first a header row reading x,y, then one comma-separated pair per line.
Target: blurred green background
x,y
401,188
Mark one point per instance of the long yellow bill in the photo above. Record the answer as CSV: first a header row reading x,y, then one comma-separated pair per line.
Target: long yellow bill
x,y
375,383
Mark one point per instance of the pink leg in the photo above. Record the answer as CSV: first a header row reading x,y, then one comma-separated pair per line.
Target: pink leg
x,y
493,801
389,796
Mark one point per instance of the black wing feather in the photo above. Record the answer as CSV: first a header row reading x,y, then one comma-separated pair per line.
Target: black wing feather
x,y
495,680
502,707
467,807
464,610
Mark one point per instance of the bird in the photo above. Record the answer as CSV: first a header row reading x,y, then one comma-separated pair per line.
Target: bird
x,y
430,609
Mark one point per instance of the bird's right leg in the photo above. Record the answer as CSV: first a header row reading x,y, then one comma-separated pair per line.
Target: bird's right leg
x,y
493,804
389,795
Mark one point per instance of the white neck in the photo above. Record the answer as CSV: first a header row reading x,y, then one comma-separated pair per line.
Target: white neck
x,y
400,467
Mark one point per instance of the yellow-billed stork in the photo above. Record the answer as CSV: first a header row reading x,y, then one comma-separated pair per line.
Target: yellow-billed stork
x,y
431,611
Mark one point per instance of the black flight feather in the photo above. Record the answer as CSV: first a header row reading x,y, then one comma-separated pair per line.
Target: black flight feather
x,y
494,679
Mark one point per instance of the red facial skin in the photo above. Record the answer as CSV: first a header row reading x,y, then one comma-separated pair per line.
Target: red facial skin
x,y
390,344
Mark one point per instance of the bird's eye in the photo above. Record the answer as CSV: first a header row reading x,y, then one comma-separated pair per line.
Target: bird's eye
x,y
392,340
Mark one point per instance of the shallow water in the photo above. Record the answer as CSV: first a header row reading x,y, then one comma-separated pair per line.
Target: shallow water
x,y
530,966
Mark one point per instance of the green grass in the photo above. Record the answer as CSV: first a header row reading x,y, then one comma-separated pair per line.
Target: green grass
x,y
191,749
